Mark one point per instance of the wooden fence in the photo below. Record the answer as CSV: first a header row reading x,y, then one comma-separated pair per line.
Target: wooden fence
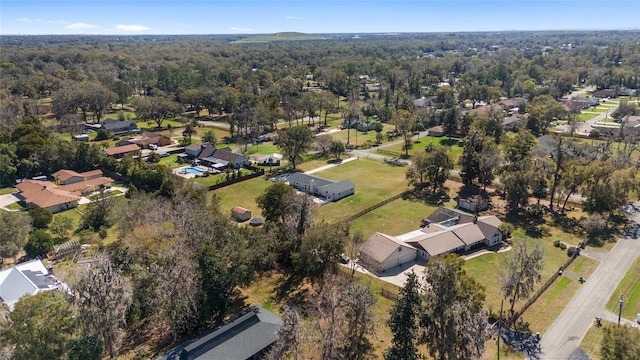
x,y
516,315
390,295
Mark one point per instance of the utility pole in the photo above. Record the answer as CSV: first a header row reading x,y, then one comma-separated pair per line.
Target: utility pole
x,y
500,327
621,303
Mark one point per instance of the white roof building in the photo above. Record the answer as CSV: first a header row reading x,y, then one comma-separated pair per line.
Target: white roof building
x,y
28,278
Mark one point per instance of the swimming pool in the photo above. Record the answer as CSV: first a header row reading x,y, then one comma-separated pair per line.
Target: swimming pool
x,y
192,170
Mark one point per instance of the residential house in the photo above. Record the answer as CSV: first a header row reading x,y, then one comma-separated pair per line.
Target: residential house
x,y
119,127
445,231
240,214
224,157
120,151
323,188
199,151
382,252
436,131
247,337
65,177
512,104
46,195
27,278
147,138
605,93
513,122
625,91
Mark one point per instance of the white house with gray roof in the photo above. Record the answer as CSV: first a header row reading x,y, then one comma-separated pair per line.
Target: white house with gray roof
x,y
323,188
28,278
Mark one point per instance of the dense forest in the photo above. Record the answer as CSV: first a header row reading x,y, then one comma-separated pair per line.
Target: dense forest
x,y
180,268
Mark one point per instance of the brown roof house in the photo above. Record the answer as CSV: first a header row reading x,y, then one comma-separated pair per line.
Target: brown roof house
x,y
66,177
147,138
120,151
240,214
46,195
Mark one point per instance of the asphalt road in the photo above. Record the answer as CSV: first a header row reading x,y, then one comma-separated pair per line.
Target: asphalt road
x,y
562,339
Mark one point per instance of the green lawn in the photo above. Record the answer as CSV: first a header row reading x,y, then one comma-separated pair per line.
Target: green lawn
x,y
370,187
8,190
455,147
242,194
486,269
630,287
397,217
264,149
170,161
15,206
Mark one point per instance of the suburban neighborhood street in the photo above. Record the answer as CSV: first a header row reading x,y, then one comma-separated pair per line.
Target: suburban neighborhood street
x,y
562,339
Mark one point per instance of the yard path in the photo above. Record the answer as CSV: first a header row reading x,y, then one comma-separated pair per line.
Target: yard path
x,y
562,339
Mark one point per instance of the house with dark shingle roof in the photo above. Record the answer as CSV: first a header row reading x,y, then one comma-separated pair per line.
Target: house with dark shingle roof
x,y
323,188
119,127
226,156
246,337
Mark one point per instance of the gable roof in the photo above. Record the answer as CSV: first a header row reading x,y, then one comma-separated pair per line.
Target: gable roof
x,y
306,179
238,339
121,149
117,125
44,193
64,174
438,243
87,184
206,150
27,278
337,187
443,213
228,155
380,246
240,210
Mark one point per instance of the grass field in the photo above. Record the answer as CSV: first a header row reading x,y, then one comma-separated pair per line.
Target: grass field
x,y
455,147
486,269
15,206
397,217
370,189
242,194
630,287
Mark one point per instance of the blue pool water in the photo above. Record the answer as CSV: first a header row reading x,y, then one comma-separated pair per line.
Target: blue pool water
x,y
193,170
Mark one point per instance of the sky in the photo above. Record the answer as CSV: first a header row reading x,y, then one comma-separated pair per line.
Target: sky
x,y
53,17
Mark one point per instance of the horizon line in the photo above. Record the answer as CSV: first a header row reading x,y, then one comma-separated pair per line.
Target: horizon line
x,y
335,33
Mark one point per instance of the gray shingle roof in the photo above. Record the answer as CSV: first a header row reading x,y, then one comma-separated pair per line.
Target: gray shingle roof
x,y
306,180
337,187
238,339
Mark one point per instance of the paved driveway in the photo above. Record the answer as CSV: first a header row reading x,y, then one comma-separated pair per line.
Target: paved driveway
x,y
6,200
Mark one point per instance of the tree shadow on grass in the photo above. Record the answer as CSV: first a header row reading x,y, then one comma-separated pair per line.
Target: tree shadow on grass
x,y
289,290
429,197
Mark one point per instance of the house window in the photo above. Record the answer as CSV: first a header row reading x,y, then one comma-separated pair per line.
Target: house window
x,y
399,249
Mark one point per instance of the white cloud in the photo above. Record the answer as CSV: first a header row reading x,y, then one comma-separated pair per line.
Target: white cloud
x,y
27,20
81,25
234,28
132,28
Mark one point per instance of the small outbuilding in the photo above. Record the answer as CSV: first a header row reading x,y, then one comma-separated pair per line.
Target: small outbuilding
x,y
240,214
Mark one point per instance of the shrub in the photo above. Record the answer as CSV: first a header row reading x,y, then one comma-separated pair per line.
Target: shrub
x,y
559,245
506,229
102,134
572,250
535,211
40,243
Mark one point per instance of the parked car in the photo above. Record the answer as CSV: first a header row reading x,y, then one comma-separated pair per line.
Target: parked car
x,y
163,154
153,147
343,259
